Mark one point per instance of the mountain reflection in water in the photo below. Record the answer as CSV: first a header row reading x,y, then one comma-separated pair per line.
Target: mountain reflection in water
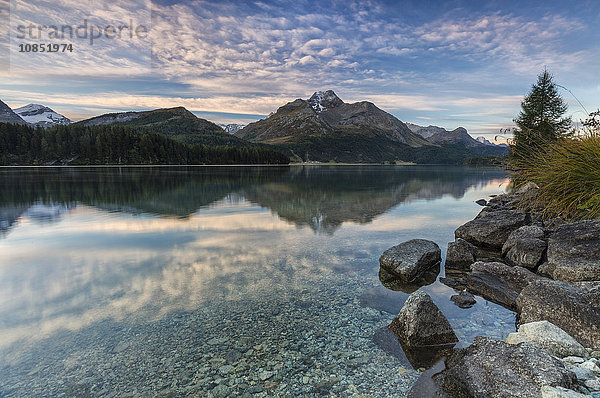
x,y
319,197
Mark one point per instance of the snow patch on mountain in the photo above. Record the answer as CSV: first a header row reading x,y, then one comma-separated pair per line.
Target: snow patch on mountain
x,y
483,140
324,100
41,115
231,128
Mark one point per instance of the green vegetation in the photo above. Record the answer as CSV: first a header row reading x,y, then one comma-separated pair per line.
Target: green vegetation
x,y
565,165
541,120
109,144
364,148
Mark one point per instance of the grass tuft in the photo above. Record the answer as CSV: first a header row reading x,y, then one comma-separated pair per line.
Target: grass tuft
x,y
568,175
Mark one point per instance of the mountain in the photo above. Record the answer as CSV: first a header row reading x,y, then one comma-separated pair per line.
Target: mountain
x,y
425,132
439,135
41,115
326,115
325,128
7,115
232,128
177,123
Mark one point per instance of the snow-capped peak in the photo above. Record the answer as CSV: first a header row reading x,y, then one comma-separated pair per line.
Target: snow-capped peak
x,y
483,140
324,100
232,128
41,115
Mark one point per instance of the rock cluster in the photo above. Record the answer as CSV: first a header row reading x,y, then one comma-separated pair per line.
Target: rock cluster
x,y
546,271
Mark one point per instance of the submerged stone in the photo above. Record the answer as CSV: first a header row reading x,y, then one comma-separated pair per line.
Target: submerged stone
x,y
421,323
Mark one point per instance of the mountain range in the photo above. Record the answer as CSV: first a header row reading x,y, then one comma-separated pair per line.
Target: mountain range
x,y
325,128
322,128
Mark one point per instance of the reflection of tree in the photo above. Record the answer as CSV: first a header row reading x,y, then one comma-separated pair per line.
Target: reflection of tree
x,y
320,197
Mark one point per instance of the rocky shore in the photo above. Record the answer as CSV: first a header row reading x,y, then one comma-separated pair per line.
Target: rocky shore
x,y
548,272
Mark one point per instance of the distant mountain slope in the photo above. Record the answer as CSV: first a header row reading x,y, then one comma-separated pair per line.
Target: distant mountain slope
x,y
458,137
177,123
439,135
41,115
7,115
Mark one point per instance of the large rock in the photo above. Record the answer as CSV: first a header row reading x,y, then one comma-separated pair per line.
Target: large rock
x,y
491,368
491,227
460,255
421,323
548,336
525,247
499,282
574,252
571,308
411,259
560,392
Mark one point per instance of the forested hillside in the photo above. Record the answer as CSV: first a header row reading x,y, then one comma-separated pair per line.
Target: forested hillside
x,y
109,144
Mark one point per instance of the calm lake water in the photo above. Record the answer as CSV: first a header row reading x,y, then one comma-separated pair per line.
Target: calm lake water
x,y
221,281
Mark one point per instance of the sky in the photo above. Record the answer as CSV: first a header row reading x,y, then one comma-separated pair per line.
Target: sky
x,y
446,63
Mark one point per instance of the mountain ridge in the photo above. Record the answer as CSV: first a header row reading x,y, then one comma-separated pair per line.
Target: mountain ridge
x,y
7,115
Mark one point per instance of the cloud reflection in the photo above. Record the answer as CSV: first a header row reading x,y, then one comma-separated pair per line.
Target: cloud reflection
x,y
91,264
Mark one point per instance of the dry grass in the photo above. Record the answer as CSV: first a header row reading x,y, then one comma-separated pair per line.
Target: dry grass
x,y
568,174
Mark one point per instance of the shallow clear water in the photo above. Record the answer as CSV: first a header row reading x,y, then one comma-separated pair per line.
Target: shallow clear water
x,y
217,281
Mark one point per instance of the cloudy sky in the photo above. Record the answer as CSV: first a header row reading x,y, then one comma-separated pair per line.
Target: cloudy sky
x,y
447,63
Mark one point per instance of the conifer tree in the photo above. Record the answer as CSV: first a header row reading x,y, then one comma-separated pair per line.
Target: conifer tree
x,y
541,119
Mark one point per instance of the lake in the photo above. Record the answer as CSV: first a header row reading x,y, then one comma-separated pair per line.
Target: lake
x,y
221,281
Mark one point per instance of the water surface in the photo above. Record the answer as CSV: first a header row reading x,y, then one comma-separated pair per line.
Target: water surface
x,y
220,281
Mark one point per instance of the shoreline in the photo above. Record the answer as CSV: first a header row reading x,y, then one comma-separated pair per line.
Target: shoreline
x,y
548,273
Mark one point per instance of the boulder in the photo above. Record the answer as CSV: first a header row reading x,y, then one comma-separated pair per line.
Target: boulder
x,y
421,323
571,308
492,368
548,336
464,299
574,252
491,227
481,202
411,259
527,188
499,282
560,392
460,255
525,247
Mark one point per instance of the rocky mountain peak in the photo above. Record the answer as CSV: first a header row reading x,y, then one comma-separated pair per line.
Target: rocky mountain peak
x,y
41,115
324,100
